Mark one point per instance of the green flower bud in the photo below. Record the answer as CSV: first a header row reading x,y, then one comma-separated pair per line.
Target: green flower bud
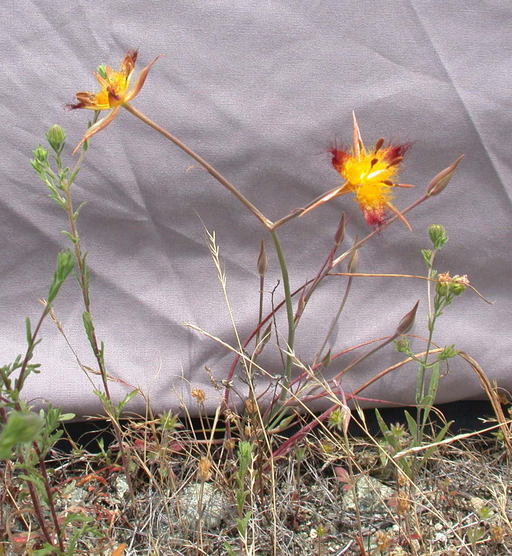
x,y
448,352
56,137
457,288
40,160
402,345
437,234
427,255
340,418
102,70
40,154
443,288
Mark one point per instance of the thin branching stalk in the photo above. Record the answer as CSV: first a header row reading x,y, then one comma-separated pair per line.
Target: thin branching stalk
x,y
324,271
335,320
208,167
82,282
20,381
37,509
420,382
289,309
287,445
361,242
49,495
24,372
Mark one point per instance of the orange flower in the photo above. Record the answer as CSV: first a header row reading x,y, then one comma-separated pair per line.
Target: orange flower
x,y
368,174
114,92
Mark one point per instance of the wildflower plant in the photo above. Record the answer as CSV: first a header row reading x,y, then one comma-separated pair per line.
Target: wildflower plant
x,y
446,288
370,174
59,179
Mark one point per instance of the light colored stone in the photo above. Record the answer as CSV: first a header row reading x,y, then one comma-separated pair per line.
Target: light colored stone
x,y
371,495
203,500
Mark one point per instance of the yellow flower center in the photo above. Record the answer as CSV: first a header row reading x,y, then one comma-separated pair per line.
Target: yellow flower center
x,y
366,175
113,90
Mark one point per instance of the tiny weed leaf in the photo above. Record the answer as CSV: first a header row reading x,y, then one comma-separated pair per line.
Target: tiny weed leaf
x,y
20,428
126,399
411,423
28,331
89,327
64,267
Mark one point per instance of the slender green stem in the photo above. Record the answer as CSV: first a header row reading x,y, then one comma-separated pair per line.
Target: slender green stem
x,y
49,496
208,167
260,314
289,309
431,321
82,281
420,384
334,322
84,287
20,381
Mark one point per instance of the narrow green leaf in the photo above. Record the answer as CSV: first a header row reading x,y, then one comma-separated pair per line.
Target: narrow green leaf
x,y
434,381
20,428
127,399
63,268
384,429
71,237
89,328
411,423
28,331
77,211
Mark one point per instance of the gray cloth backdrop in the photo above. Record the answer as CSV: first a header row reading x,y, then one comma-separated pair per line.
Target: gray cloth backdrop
x,y
261,90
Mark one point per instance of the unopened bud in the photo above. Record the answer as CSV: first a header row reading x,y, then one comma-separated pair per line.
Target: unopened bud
x,y
40,160
353,263
264,339
457,287
301,305
340,232
326,360
407,321
102,70
402,345
437,234
41,154
250,406
440,181
262,260
340,418
56,137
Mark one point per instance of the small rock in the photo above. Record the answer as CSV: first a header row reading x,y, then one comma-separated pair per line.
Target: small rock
x,y
203,500
440,537
121,487
371,495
